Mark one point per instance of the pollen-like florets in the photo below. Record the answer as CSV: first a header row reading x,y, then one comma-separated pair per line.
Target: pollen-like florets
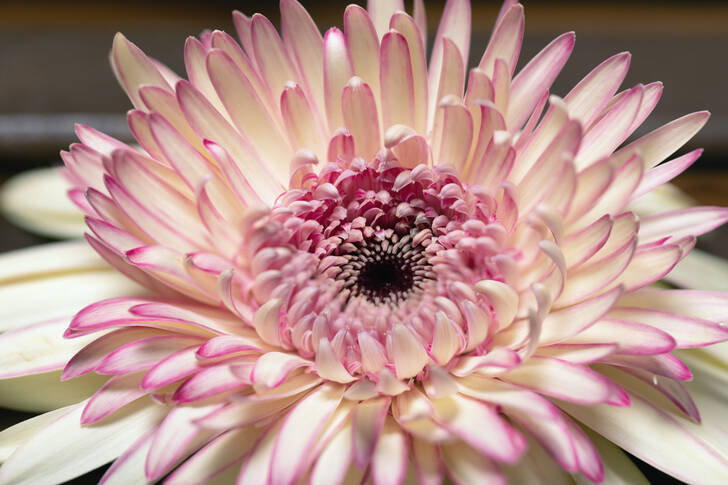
x,y
363,247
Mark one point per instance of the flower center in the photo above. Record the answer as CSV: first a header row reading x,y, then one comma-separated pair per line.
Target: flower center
x,y
374,260
386,271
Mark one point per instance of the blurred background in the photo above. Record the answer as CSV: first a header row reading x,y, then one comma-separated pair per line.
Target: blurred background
x,y
54,69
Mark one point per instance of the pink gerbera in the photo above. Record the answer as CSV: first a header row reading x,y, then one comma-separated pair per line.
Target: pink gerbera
x,y
360,271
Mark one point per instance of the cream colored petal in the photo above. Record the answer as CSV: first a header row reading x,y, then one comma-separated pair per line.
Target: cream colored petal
x,y
65,449
36,200
45,392
36,300
700,270
618,469
14,436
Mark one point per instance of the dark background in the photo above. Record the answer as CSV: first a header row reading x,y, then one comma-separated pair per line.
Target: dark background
x,y
54,71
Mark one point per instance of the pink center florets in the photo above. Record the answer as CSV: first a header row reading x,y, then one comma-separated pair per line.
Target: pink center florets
x,y
369,255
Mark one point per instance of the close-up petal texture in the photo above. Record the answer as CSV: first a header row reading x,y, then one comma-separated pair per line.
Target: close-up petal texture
x,y
330,260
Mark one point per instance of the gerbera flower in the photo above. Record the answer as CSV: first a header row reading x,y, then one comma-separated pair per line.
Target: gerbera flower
x,y
356,269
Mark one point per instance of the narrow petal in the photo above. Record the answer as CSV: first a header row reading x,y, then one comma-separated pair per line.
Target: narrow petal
x,y
587,98
389,463
338,70
459,415
466,465
536,78
300,429
134,68
396,81
561,379
680,223
303,38
662,142
360,117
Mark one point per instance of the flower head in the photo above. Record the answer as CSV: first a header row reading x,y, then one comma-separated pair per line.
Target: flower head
x,y
358,269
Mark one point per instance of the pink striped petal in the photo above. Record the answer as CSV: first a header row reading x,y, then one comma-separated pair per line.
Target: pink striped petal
x,y
665,365
363,43
130,465
587,456
662,142
454,25
328,364
648,385
406,351
224,42
248,112
460,415
381,12
536,78
243,28
172,438
682,451
427,463
338,70
367,421
497,361
590,278
208,382
210,125
303,39
298,117
229,344
708,305
447,339
665,172
578,353
299,430
144,353
397,97
172,369
359,110
134,68
561,379
195,55
272,368
216,457
631,337
676,224
389,462
533,412
248,410
590,96
271,57
453,133
452,77
688,332
116,393
334,461
505,42
405,25
466,465
611,130
648,266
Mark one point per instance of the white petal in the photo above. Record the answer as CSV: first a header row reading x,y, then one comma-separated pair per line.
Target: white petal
x,y
14,436
65,449
700,270
22,392
52,215
661,439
